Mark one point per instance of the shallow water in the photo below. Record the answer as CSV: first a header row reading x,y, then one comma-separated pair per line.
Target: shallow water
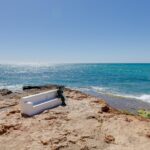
x,y
131,105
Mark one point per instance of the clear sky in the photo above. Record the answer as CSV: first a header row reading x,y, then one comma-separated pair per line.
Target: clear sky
x,y
74,31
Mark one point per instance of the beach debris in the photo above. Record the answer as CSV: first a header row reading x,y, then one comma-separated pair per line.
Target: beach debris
x,y
4,92
109,139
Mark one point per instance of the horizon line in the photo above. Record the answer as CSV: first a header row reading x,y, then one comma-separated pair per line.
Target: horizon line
x,y
46,64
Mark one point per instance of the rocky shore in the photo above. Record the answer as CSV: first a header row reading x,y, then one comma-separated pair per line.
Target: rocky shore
x,y
86,123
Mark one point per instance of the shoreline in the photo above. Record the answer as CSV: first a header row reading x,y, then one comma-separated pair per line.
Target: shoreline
x,y
130,105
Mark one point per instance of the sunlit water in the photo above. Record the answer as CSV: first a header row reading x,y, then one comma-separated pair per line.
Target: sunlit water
x,y
125,80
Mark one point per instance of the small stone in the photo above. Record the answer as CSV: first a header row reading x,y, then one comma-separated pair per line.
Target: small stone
x,y
105,108
44,142
109,139
148,135
4,92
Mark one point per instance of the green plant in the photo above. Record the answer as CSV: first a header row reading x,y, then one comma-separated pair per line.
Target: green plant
x,y
144,113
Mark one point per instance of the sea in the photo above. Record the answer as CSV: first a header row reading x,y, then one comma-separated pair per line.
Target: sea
x,y
127,81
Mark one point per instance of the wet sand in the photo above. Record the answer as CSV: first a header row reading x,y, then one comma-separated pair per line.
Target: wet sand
x,y
123,104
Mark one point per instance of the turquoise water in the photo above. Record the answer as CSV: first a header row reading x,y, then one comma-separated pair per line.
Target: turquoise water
x,y
126,80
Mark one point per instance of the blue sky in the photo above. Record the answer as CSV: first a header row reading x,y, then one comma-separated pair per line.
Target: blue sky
x,y
74,31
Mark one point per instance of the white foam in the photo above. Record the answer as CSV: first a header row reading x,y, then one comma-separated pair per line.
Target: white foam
x,y
17,87
95,88
80,89
143,97
100,89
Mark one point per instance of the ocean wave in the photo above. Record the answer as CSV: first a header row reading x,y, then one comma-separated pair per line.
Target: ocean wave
x,y
144,97
17,87
109,92
100,89
95,88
